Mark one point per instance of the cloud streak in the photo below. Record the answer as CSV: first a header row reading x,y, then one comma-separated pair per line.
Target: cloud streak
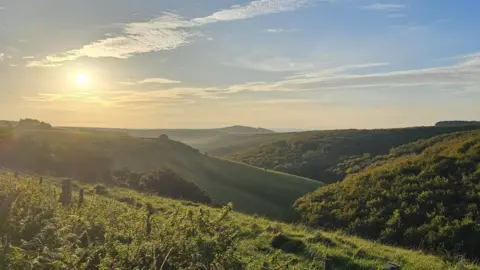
x,y
271,64
166,32
280,30
151,81
463,76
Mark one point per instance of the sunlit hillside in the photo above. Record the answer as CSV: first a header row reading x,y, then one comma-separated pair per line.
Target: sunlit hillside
x,y
424,194
122,229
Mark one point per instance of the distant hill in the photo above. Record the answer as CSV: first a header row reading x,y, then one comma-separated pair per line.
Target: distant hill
x,y
218,142
91,155
425,194
457,123
244,130
318,154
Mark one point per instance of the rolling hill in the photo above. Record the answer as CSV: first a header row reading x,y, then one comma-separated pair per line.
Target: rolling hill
x,y
424,194
318,154
123,229
91,156
217,142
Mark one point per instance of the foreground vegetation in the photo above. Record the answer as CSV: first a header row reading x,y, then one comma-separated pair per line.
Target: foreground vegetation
x,y
111,231
317,154
422,195
92,156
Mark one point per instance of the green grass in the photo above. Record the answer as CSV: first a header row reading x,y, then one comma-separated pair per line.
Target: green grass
x,y
108,234
252,190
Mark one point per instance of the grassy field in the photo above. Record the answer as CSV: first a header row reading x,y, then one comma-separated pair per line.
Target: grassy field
x,y
110,232
252,190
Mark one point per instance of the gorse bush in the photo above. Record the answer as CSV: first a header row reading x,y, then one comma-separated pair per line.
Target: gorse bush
x,y
423,195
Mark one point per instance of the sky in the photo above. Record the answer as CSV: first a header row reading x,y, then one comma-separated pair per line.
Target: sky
x,y
306,64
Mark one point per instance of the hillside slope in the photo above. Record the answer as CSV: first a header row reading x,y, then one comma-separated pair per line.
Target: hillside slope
x,y
111,231
217,142
425,194
92,155
317,154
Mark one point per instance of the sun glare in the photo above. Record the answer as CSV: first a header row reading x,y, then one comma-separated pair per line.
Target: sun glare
x,y
82,80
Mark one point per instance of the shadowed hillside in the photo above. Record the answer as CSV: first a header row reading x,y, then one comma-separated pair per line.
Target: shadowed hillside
x,y
217,142
92,156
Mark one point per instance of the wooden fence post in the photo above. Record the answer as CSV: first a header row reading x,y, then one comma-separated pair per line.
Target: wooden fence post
x,y
6,250
148,225
328,264
66,196
80,197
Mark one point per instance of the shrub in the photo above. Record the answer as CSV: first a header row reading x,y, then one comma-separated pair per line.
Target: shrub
x,y
100,189
287,244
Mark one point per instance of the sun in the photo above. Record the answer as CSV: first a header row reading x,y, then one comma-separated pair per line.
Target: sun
x,y
82,79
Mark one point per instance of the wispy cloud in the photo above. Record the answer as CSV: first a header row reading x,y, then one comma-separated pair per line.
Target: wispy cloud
x,y
116,99
285,101
389,7
280,30
166,32
271,64
252,9
2,57
28,57
151,81
463,76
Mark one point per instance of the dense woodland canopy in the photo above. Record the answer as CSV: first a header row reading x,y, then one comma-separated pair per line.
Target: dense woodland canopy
x,y
422,195
318,154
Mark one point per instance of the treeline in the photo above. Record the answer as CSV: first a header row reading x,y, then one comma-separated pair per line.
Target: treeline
x,y
457,123
423,195
318,154
88,162
162,182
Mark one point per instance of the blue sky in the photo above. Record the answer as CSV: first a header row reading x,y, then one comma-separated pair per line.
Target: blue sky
x,y
307,64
